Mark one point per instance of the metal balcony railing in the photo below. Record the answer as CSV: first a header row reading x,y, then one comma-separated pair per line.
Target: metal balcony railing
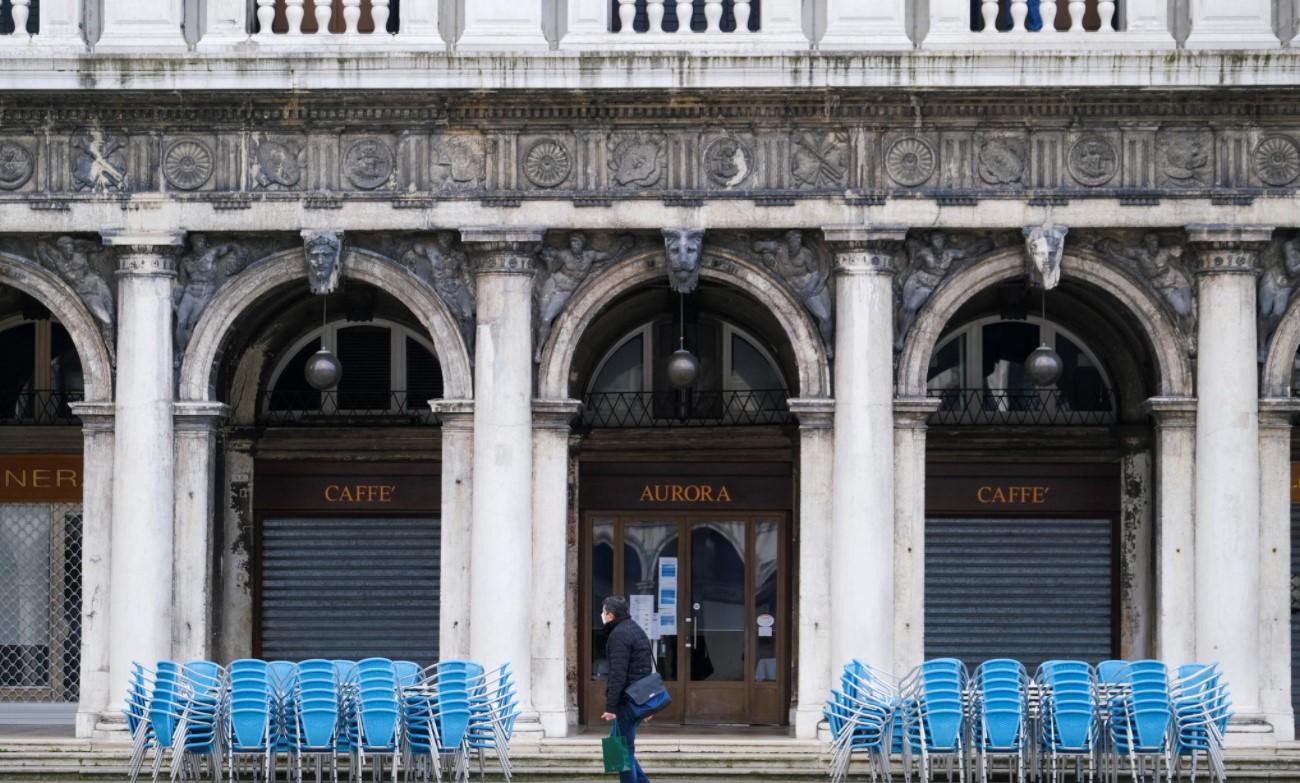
x,y
673,408
38,406
338,408
1029,407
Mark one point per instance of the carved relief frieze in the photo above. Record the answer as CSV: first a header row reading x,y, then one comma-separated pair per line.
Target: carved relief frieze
x,y
441,263
1277,285
1160,261
87,267
637,160
931,256
728,161
820,159
1001,159
798,261
565,266
203,269
1094,159
910,160
188,162
17,163
1185,158
277,162
546,162
1276,160
683,252
99,161
458,162
368,162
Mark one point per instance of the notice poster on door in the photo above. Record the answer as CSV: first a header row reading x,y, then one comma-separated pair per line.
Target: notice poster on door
x,y
643,614
667,596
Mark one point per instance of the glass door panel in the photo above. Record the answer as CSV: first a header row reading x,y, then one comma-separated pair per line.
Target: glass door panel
x,y
650,581
718,611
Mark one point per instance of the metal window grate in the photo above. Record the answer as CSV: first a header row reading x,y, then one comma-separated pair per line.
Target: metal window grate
x,y
1030,407
686,408
37,406
308,407
40,602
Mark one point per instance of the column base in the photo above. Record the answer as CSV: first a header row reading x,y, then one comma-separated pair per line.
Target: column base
x,y
529,731
1250,730
808,721
555,723
110,725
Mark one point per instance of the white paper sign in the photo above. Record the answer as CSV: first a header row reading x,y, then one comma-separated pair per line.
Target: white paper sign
x,y
643,612
668,596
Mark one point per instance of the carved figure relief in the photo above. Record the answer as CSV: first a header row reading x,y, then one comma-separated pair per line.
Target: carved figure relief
x,y
74,261
278,165
806,273
459,161
100,163
547,163
187,164
17,164
442,265
565,269
1044,247
1163,268
684,248
930,259
638,160
1184,158
819,159
1276,287
200,274
1277,161
1093,160
323,251
728,162
1000,161
910,161
368,163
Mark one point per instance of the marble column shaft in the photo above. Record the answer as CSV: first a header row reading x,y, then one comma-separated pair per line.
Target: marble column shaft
x,y
1275,416
457,418
196,426
1175,534
910,418
96,546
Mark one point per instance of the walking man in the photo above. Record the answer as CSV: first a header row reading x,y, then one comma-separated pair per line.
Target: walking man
x,y
627,649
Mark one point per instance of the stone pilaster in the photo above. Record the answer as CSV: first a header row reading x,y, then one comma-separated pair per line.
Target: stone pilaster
x,y
1275,416
196,425
816,460
910,420
234,609
1136,588
1175,536
457,418
550,606
1227,458
504,261
96,548
140,592
862,520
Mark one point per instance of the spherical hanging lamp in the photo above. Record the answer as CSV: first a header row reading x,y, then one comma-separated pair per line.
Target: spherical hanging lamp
x,y
1044,365
323,369
683,368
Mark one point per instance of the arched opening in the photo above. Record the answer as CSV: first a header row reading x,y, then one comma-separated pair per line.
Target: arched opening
x,y
686,495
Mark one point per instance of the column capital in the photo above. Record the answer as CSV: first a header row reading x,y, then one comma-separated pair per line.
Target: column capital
x,y
864,250
1276,413
1227,249
913,413
145,253
199,416
503,250
95,416
454,414
1172,412
555,414
813,413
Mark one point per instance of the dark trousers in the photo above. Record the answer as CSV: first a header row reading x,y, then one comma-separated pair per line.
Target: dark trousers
x,y
627,728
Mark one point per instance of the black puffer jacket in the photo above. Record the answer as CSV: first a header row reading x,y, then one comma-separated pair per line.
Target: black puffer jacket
x,y
627,649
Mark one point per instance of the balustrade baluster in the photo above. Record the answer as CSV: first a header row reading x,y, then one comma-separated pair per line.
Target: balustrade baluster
x,y
626,16
1106,10
713,15
654,11
989,10
19,10
324,13
1047,10
742,11
379,14
1077,10
265,16
1019,11
685,10
293,11
351,15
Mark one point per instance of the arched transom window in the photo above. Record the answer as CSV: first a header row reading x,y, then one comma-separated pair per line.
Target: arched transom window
x,y
40,372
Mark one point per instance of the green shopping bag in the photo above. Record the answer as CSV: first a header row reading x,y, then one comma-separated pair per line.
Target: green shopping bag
x,y
614,750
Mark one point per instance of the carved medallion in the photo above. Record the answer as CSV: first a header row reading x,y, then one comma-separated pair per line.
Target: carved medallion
x,y
459,161
728,162
1001,161
187,164
368,163
100,163
638,160
819,159
17,163
277,165
1093,161
1184,158
1277,161
910,161
547,163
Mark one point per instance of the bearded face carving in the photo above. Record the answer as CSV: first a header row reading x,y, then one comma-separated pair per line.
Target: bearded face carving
x,y
683,247
324,253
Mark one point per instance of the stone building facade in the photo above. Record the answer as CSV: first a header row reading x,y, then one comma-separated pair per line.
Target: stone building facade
x,y
504,218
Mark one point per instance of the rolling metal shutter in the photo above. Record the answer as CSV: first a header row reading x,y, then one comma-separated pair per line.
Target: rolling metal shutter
x,y
1029,589
350,588
1295,620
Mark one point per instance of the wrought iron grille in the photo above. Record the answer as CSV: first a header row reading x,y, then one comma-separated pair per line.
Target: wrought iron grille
x,y
686,408
332,408
40,602
1030,407
37,406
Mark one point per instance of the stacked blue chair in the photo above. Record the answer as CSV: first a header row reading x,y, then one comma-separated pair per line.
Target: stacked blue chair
x,y
165,710
861,716
935,715
1068,726
201,731
494,708
438,715
138,691
255,716
313,716
1141,715
1000,715
1202,709
376,725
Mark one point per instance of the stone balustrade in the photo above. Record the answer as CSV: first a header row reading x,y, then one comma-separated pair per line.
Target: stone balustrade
x,y
679,24
323,17
19,13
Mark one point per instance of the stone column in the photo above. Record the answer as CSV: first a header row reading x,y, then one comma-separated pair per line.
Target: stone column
x,y
1135,555
1227,459
234,607
880,25
457,418
196,459
142,28
550,607
816,459
96,542
910,418
1175,537
1244,24
140,594
862,520
1275,564
501,551
502,26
